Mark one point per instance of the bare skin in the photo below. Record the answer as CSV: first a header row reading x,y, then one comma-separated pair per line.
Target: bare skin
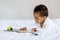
x,y
39,19
33,29
23,28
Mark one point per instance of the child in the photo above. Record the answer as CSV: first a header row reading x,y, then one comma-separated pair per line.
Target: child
x,y
41,18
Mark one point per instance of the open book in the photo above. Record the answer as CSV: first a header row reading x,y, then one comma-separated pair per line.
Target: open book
x,y
21,31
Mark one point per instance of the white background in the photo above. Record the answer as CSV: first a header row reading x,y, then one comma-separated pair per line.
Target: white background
x,y
23,9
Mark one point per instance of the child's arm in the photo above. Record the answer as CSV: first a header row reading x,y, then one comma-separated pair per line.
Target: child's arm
x,y
24,29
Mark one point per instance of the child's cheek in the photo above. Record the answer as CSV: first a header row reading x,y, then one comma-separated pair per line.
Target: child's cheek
x,y
39,21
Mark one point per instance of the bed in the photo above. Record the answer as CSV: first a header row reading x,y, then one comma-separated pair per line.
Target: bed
x,y
23,36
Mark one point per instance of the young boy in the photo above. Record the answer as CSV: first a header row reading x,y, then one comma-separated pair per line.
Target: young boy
x,y
41,19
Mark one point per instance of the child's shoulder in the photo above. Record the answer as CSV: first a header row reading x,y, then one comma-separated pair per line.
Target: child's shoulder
x,y
49,22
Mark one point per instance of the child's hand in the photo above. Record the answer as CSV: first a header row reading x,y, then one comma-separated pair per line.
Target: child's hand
x,y
23,29
34,30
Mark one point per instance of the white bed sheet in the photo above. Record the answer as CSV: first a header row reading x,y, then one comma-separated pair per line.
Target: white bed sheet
x,y
23,36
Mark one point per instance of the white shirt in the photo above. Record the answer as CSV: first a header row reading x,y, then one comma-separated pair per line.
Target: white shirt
x,y
49,28
47,24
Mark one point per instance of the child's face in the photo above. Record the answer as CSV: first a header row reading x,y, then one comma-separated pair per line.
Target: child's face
x,y
38,18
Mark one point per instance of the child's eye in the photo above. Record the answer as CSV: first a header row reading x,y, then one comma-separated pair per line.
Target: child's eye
x,y
36,18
